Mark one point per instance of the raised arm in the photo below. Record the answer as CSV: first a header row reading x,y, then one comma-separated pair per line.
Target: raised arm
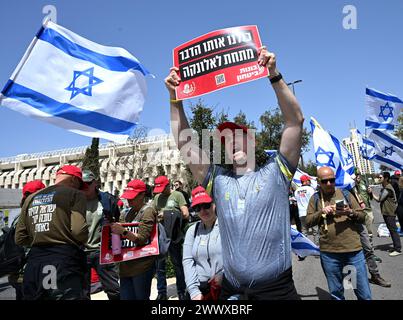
x,y
291,139
179,122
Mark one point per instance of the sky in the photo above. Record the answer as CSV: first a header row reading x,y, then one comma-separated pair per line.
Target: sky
x,y
335,64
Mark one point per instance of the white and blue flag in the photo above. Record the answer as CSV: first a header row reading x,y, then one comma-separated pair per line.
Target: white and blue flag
x,y
297,178
331,153
367,147
74,83
383,110
388,149
271,153
302,246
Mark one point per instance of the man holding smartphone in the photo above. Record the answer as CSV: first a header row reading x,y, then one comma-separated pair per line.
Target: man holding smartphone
x,y
341,251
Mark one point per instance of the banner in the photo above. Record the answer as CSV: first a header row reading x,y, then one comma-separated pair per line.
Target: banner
x,y
129,249
217,60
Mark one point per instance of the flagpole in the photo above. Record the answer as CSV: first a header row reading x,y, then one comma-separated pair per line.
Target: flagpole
x,y
24,59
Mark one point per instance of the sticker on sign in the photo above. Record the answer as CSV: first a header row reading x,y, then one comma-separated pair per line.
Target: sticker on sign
x,y
217,60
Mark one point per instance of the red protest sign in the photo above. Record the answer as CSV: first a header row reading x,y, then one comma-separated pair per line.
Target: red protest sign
x,y
129,249
217,60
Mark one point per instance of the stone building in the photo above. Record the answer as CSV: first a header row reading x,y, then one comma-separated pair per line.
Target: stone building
x,y
119,163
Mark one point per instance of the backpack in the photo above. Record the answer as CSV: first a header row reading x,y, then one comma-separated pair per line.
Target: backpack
x,y
110,208
12,256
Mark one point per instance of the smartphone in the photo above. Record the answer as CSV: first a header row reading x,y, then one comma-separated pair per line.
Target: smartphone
x,y
339,205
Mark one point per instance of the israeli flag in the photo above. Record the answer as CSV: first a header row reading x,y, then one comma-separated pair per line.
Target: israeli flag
x,y
271,153
388,149
382,110
331,153
297,178
367,147
79,85
302,246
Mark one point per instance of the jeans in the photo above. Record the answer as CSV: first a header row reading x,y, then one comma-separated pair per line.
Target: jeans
x,y
175,252
137,287
336,265
392,227
108,276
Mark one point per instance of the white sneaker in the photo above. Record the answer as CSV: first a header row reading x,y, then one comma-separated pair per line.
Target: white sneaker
x,y
395,253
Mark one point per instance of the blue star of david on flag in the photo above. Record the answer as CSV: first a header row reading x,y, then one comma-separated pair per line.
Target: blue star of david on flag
x,y
86,90
329,154
388,151
386,108
349,159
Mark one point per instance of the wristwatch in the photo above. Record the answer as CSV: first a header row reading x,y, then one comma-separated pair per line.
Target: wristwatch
x,y
125,233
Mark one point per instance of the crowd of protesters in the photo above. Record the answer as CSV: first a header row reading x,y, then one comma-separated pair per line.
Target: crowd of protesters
x,y
240,247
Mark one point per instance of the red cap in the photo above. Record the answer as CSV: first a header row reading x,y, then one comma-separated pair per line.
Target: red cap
x,y
120,203
397,173
232,126
72,171
160,183
133,188
199,195
32,187
305,178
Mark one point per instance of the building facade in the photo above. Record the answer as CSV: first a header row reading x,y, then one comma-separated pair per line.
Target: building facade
x,y
119,163
351,143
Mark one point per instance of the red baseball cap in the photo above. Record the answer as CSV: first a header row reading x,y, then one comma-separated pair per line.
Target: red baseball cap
x,y
133,188
232,126
305,178
199,195
160,183
397,173
72,171
32,187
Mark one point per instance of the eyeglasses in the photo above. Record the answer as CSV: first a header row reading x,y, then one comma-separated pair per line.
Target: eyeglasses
x,y
325,181
204,206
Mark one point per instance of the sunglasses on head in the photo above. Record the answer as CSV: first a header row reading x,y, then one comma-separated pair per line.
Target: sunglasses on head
x,y
204,206
325,181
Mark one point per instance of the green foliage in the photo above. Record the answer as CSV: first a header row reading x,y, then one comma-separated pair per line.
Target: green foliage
x,y
310,168
399,130
269,137
91,158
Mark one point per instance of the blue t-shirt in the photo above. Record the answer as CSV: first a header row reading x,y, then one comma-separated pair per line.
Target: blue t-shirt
x,y
254,219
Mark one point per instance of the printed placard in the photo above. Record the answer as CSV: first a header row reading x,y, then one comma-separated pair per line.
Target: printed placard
x,y
129,249
217,60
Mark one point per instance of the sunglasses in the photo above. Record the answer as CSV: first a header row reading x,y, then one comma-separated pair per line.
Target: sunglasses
x,y
325,181
204,206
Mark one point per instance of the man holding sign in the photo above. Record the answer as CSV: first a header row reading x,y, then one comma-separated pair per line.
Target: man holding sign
x,y
252,208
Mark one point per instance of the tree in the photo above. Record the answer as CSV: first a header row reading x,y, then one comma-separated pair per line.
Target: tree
x,y
310,168
240,119
270,135
399,130
91,158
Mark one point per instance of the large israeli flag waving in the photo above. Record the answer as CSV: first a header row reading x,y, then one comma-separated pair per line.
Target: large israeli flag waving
x,y
382,110
331,153
388,149
74,83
